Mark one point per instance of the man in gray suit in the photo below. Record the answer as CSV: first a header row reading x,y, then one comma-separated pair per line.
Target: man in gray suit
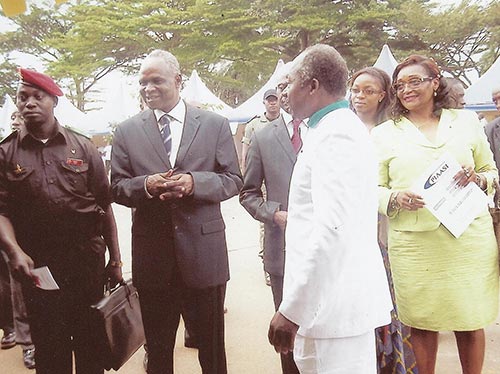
x,y
492,129
270,160
174,164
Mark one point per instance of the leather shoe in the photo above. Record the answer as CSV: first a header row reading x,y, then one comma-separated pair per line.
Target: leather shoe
x,y
29,358
267,278
145,359
8,340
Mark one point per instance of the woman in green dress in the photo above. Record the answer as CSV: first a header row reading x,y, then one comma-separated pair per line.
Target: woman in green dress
x,y
440,282
371,98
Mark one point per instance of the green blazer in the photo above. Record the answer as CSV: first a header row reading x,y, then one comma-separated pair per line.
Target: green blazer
x,y
405,153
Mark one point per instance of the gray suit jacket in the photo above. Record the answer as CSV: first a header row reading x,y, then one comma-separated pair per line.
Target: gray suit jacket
x,y
492,130
270,160
188,231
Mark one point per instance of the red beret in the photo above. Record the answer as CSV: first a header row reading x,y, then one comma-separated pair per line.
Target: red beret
x,y
39,80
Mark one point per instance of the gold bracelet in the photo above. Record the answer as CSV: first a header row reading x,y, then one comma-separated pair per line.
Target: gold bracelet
x,y
116,264
393,204
479,182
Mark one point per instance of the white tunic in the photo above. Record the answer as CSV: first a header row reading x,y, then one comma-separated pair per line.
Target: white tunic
x,y
335,282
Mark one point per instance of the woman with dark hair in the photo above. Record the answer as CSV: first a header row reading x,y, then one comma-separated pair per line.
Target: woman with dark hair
x,y
371,98
440,282
371,95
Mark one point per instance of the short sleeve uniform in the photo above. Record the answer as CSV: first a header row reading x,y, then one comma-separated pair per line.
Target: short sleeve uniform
x,y
55,194
258,123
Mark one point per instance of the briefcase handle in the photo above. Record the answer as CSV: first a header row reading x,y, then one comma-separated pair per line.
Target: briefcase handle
x,y
108,290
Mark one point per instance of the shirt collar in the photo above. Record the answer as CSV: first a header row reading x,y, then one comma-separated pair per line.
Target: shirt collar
x,y
286,117
178,112
316,117
24,134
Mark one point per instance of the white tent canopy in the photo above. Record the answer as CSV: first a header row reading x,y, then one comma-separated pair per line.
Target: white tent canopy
x,y
5,112
65,112
386,60
118,96
254,105
479,93
68,115
197,93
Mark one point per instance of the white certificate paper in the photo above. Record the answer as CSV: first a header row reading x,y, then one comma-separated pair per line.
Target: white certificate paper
x,y
42,277
455,207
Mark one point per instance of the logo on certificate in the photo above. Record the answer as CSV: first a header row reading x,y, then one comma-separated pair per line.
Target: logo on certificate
x,y
433,178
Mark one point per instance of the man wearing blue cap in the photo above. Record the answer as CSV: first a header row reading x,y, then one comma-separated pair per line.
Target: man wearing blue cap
x,y
55,212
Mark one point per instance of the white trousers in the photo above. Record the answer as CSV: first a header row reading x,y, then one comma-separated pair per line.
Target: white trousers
x,y
351,355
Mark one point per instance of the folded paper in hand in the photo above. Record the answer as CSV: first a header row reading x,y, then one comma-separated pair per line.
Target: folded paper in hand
x,y
42,278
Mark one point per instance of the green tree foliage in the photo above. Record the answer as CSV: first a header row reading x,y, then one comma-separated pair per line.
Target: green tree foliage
x,y
8,80
235,44
456,38
492,17
37,34
225,46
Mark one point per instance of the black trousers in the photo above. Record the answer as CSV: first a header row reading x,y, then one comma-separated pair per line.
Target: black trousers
x,y
20,314
59,319
161,310
288,365
6,316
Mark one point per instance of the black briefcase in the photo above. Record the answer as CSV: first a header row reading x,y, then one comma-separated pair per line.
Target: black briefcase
x,y
117,322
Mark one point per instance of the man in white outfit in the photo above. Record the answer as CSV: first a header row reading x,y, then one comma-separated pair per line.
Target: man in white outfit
x,y
335,287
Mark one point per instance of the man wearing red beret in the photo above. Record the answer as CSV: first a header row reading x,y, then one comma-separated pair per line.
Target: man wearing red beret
x,y
55,211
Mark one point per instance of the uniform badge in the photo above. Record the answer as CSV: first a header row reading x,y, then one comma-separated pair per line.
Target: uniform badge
x,y
73,151
74,161
18,170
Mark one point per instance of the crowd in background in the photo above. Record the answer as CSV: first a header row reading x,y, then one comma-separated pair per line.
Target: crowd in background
x,y
309,175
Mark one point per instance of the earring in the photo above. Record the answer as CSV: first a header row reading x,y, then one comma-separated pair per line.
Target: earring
x,y
380,100
435,93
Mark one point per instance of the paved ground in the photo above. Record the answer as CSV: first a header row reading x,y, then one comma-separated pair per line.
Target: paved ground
x,y
249,312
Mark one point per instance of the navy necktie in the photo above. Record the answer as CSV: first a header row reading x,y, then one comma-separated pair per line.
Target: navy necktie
x,y
166,134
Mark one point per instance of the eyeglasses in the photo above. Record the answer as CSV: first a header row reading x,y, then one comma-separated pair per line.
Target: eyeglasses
x,y
365,91
413,83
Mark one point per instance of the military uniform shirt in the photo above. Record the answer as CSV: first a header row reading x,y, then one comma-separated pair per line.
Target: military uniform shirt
x,y
256,124
58,185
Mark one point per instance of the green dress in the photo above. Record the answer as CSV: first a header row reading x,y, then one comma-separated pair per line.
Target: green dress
x,y
440,282
444,283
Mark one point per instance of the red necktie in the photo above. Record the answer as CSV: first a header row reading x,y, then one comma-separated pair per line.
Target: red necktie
x,y
296,139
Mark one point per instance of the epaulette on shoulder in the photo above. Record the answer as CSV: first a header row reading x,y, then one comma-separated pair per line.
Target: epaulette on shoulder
x,y
251,119
76,131
12,135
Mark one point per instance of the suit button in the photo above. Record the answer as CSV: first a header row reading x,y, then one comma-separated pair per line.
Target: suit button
x,y
176,227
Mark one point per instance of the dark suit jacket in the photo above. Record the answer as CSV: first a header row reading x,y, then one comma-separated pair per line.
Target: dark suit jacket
x,y
270,160
188,231
492,130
